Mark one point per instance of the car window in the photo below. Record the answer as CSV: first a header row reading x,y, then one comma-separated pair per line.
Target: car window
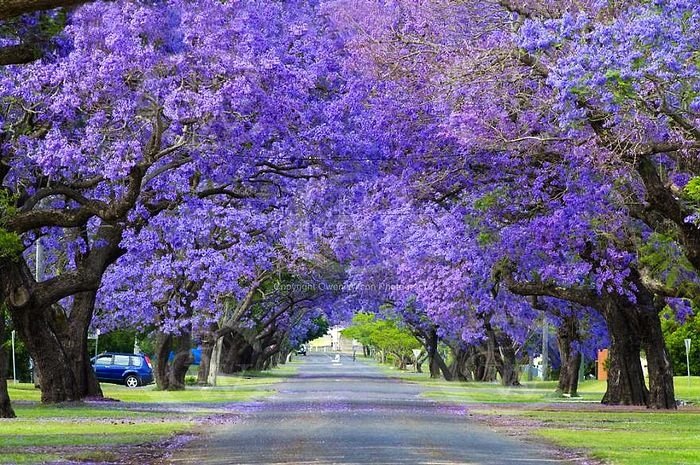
x,y
105,360
121,360
136,361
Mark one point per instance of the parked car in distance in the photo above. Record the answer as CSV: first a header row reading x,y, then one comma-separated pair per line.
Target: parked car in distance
x,y
301,350
131,370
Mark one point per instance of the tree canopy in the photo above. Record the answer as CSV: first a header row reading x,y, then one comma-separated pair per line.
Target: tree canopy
x,y
238,174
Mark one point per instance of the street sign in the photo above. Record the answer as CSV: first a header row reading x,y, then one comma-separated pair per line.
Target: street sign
x,y
416,354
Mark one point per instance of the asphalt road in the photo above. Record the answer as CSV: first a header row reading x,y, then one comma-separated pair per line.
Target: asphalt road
x,y
351,413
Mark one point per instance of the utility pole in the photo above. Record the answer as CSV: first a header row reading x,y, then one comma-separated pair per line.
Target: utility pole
x,y
14,362
97,339
39,261
545,350
687,358
38,276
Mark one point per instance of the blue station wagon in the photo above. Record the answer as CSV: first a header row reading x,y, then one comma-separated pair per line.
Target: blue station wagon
x,y
131,370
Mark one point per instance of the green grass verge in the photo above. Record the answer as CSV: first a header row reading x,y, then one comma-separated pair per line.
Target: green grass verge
x,y
538,391
529,392
616,436
44,433
27,433
21,459
239,388
620,437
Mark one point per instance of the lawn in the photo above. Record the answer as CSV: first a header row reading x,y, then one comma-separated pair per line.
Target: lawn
x,y
245,387
93,431
619,436
616,435
529,392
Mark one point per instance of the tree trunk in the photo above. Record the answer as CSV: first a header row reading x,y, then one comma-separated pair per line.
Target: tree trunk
x,y
400,361
214,364
477,363
170,375
181,362
419,363
430,341
631,327
661,389
567,335
36,375
56,339
488,369
75,340
205,362
568,378
236,354
502,353
164,343
38,330
58,346
508,365
6,410
459,368
431,347
625,376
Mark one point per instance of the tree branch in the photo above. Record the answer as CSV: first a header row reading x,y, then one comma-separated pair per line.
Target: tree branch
x,y
504,271
19,54
13,8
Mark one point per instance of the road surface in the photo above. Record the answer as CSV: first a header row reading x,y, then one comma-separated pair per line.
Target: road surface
x,y
351,413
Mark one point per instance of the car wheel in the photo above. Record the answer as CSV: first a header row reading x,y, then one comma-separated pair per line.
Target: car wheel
x,y
131,381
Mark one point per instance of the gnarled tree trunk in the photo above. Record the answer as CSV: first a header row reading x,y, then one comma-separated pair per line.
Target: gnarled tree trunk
x,y
567,337
75,340
633,326
164,344
430,340
502,353
661,390
460,366
38,329
181,362
630,325
170,374
625,376
236,354
431,347
208,344
215,362
58,345
56,339
507,365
